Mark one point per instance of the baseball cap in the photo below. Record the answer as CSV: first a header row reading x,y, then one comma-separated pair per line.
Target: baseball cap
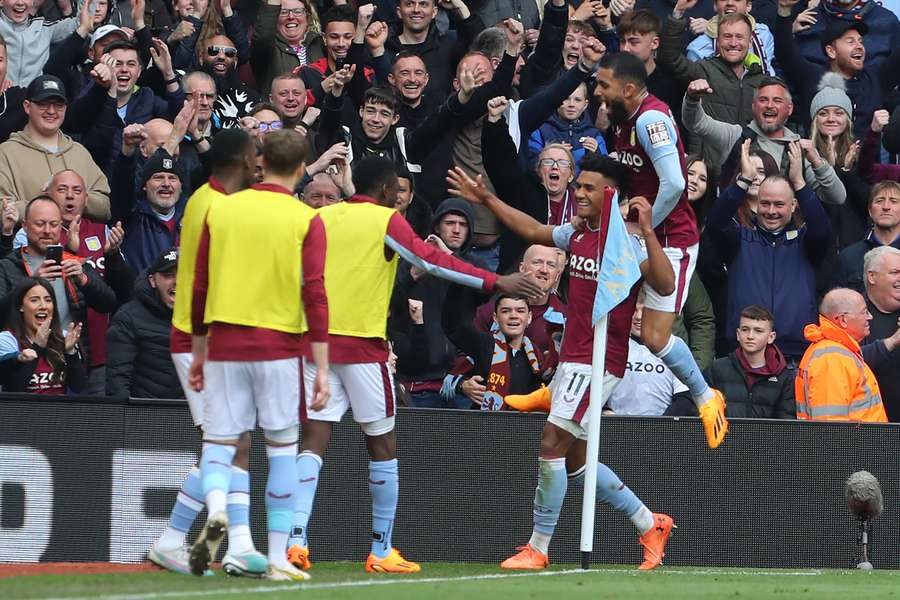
x,y
46,87
838,27
105,30
160,164
165,262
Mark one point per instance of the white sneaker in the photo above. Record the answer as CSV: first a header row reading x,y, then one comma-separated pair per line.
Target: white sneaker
x,y
287,572
175,560
204,549
245,564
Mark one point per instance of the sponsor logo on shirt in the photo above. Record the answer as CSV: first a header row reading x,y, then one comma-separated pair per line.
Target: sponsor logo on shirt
x,y
658,134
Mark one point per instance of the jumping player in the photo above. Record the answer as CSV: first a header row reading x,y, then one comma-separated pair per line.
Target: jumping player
x,y
366,235
563,441
647,142
253,252
233,158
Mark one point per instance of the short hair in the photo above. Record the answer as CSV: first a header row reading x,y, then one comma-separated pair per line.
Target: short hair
x,y
639,21
382,94
770,81
408,54
288,75
626,67
881,186
580,27
777,178
39,198
123,45
735,18
872,259
403,173
836,301
284,150
261,106
502,297
557,146
197,75
339,13
371,173
594,162
229,147
758,313
491,42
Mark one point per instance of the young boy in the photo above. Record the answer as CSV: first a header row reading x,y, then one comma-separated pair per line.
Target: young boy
x,y
754,377
571,124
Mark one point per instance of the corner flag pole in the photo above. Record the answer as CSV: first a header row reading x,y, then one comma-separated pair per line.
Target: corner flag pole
x,y
589,499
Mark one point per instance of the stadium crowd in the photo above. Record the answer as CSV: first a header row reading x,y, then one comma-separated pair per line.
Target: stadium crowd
x,y
789,114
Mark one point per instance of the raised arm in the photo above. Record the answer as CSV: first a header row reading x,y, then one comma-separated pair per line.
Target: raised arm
x,y
474,190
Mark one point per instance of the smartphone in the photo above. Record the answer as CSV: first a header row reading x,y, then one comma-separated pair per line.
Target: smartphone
x,y
54,253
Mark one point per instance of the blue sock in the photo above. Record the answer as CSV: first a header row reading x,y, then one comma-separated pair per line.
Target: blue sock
x,y
384,486
677,356
549,495
281,495
215,473
308,466
189,502
239,538
615,494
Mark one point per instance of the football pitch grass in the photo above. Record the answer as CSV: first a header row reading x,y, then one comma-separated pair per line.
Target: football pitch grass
x,y
451,580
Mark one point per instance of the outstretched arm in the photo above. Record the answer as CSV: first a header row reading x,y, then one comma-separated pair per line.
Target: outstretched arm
x,y
474,190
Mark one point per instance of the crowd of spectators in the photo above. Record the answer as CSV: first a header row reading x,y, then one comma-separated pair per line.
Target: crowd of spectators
x,y
790,112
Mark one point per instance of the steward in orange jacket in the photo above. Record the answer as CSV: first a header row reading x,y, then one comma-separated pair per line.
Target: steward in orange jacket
x,y
833,381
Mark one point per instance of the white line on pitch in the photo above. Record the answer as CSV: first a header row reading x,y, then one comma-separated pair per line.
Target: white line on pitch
x,y
265,589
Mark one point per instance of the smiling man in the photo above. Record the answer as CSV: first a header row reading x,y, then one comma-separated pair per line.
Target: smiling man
x,y
773,264
884,213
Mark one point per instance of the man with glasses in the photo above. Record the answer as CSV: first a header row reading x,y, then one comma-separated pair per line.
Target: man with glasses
x,y
834,383
234,98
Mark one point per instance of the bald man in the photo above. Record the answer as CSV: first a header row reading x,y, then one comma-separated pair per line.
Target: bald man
x,y
834,383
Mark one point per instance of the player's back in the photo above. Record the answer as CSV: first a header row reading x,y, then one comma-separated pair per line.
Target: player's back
x,y
189,241
359,276
255,259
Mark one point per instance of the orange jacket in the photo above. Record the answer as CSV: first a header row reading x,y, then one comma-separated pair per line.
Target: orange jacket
x,y
833,381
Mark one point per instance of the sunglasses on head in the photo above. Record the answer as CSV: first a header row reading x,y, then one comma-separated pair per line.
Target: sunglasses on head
x,y
226,50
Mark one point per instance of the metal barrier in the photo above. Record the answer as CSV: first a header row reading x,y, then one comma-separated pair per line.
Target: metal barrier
x,y
94,479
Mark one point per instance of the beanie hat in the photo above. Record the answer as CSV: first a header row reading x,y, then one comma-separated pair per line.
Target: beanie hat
x,y
831,93
160,164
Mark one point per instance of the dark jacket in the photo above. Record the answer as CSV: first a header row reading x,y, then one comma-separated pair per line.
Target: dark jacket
x,y
866,89
423,351
270,55
184,54
557,129
663,10
732,98
104,141
139,363
849,271
769,397
96,293
146,236
18,376
439,52
776,271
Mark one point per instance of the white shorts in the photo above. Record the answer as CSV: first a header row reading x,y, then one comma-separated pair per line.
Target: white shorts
x,y
570,392
195,400
238,391
683,260
365,388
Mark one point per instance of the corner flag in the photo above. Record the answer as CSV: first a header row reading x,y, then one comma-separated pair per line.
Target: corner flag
x,y
619,269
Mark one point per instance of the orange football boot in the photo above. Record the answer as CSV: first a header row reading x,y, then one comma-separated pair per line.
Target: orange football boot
x,y
392,563
526,559
654,541
715,425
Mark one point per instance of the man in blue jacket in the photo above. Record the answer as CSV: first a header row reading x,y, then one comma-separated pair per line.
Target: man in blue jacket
x,y
773,264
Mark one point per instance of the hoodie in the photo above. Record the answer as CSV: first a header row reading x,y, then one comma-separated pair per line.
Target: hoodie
x,y
26,167
139,363
424,353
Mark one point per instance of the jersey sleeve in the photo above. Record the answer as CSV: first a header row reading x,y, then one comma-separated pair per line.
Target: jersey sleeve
x,y
562,235
639,247
657,134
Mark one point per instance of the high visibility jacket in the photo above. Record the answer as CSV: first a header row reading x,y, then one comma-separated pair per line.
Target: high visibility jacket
x,y
833,381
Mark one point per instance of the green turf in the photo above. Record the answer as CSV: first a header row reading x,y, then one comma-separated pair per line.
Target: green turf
x,y
344,580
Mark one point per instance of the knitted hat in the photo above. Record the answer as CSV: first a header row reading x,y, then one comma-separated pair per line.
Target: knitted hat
x,y
831,93
160,164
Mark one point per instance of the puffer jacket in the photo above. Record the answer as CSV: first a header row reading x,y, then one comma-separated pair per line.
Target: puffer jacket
x,y
732,97
557,129
769,396
139,363
834,383
270,55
